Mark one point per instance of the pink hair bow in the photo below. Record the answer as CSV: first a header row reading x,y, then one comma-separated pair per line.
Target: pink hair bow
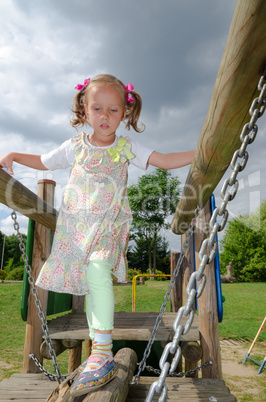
x,y
79,87
129,88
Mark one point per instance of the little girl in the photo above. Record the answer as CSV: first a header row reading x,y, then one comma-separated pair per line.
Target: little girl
x,y
91,239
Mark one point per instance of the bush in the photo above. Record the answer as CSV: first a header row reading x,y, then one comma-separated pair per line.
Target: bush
x,y
255,270
163,278
16,274
133,272
8,265
245,248
157,278
3,274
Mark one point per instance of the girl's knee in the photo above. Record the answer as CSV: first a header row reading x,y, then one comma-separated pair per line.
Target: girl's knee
x,y
99,272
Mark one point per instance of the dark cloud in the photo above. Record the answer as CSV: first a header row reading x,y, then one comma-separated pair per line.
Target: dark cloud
x,y
170,51
161,46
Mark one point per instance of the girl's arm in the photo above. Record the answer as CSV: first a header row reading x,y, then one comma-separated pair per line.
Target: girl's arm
x,y
32,161
171,161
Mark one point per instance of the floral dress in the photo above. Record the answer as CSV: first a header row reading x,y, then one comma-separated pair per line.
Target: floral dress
x,y
94,218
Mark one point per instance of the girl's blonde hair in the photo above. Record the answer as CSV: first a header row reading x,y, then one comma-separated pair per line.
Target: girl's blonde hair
x,y
133,107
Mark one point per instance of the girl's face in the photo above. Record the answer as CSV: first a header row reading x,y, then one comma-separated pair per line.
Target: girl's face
x,y
105,108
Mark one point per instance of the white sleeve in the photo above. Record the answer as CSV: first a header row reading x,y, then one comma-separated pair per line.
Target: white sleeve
x,y
60,158
142,154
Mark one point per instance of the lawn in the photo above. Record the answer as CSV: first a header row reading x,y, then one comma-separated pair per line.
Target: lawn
x,y
244,310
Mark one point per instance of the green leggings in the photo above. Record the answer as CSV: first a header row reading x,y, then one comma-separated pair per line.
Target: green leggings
x,y
100,299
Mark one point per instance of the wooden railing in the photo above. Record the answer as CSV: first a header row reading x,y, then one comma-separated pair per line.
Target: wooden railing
x,y
242,64
18,197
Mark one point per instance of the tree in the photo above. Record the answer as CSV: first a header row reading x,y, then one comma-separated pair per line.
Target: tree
x,y
152,200
244,246
12,254
2,240
138,254
257,220
13,250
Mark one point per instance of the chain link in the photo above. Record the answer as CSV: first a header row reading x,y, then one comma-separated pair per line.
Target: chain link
x,y
52,377
181,373
41,315
238,164
167,295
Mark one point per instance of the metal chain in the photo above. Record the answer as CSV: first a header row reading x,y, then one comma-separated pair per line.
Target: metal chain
x,y
58,377
247,136
182,373
167,296
52,377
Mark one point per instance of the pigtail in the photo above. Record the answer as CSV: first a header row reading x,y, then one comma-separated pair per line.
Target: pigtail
x,y
79,118
133,113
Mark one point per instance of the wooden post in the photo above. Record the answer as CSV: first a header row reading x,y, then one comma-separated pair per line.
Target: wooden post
x,y
188,269
242,65
176,292
41,251
191,350
57,345
188,265
74,355
207,303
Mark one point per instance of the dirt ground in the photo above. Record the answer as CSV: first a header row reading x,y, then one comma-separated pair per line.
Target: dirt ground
x,y
242,381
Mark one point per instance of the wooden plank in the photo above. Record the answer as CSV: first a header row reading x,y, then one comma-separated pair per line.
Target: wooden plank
x,y
16,196
176,292
37,387
26,387
235,87
127,326
179,389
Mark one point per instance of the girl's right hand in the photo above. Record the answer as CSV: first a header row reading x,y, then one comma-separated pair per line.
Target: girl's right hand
x,y
6,161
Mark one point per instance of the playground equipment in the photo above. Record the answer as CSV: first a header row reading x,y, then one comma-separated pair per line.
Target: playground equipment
x,y
261,364
242,65
217,272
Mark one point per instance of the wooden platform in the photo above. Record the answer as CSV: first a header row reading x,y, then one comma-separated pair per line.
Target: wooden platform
x,y
26,387
183,389
36,387
128,326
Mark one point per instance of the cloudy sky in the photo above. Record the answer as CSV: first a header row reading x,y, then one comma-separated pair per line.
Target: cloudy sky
x,y
169,50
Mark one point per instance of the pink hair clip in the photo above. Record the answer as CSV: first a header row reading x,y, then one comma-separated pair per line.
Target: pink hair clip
x,y
79,87
129,88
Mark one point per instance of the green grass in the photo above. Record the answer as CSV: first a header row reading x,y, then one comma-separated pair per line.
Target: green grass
x,y
149,296
244,310
12,330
